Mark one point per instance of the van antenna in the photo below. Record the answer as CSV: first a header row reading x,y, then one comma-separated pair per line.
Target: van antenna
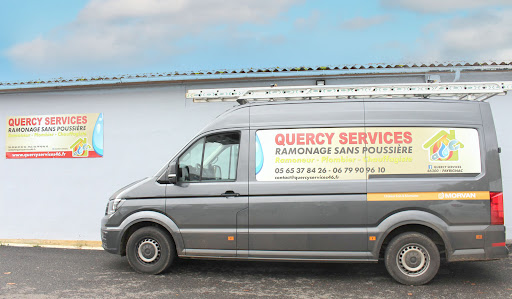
x,y
242,101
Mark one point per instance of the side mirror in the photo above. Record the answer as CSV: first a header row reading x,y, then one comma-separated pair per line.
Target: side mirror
x,y
172,174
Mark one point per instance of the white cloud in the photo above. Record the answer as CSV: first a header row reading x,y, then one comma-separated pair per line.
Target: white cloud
x,y
483,36
111,10
190,12
437,6
361,23
309,22
133,32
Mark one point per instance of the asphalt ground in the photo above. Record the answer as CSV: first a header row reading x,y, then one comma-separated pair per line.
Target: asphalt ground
x,y
35,272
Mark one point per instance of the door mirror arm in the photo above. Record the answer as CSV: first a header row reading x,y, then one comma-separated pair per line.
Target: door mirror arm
x,y
172,175
169,176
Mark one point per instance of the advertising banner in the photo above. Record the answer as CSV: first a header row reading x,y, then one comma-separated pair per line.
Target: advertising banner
x,y
55,136
357,153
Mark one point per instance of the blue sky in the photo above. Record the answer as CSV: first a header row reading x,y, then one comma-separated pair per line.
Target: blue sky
x,y
88,38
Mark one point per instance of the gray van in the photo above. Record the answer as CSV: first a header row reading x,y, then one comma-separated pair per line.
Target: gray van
x,y
407,182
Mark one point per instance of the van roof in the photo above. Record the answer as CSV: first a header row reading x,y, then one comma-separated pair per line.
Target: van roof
x,y
326,112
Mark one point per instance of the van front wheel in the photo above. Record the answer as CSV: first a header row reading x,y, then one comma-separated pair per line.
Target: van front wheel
x,y
150,250
412,258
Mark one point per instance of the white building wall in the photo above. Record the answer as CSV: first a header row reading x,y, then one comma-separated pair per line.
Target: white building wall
x,y
143,128
66,198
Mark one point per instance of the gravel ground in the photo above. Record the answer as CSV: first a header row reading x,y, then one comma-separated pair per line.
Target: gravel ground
x,y
34,272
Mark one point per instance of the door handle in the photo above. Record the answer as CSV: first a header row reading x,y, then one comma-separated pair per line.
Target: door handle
x,y
230,194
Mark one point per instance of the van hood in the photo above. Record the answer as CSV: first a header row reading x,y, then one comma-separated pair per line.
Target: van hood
x,y
126,190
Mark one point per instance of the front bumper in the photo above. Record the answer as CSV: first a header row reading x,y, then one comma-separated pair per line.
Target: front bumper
x,y
110,237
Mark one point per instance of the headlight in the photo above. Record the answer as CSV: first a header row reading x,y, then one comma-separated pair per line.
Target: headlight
x,y
113,205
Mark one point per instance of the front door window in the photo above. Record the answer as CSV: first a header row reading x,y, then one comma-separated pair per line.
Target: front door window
x,y
211,158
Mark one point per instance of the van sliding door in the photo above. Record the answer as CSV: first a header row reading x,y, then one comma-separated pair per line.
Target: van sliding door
x,y
307,182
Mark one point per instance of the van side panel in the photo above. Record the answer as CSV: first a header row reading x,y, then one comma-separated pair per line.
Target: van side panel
x,y
306,114
458,221
494,233
492,158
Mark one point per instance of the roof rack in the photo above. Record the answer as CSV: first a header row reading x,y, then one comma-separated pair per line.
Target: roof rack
x,y
474,91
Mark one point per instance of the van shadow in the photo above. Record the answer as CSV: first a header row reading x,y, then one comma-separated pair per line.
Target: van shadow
x,y
291,272
491,273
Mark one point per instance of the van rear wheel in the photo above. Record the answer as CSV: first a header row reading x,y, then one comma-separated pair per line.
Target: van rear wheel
x,y
150,250
412,258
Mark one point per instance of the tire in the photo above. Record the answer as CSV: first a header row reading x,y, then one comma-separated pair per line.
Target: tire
x,y
412,258
150,250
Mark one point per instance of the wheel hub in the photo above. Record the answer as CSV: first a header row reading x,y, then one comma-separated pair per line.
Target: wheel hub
x,y
413,260
148,250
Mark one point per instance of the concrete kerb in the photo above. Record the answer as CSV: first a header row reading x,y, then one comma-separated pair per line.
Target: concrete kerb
x,y
64,244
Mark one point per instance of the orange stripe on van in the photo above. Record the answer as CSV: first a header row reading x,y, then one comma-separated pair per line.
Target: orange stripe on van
x,y
410,196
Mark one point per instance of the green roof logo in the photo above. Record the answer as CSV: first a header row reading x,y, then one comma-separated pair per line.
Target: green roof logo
x,y
80,148
443,146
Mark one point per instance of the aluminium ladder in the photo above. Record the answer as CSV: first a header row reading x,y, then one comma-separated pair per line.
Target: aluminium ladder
x,y
475,91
